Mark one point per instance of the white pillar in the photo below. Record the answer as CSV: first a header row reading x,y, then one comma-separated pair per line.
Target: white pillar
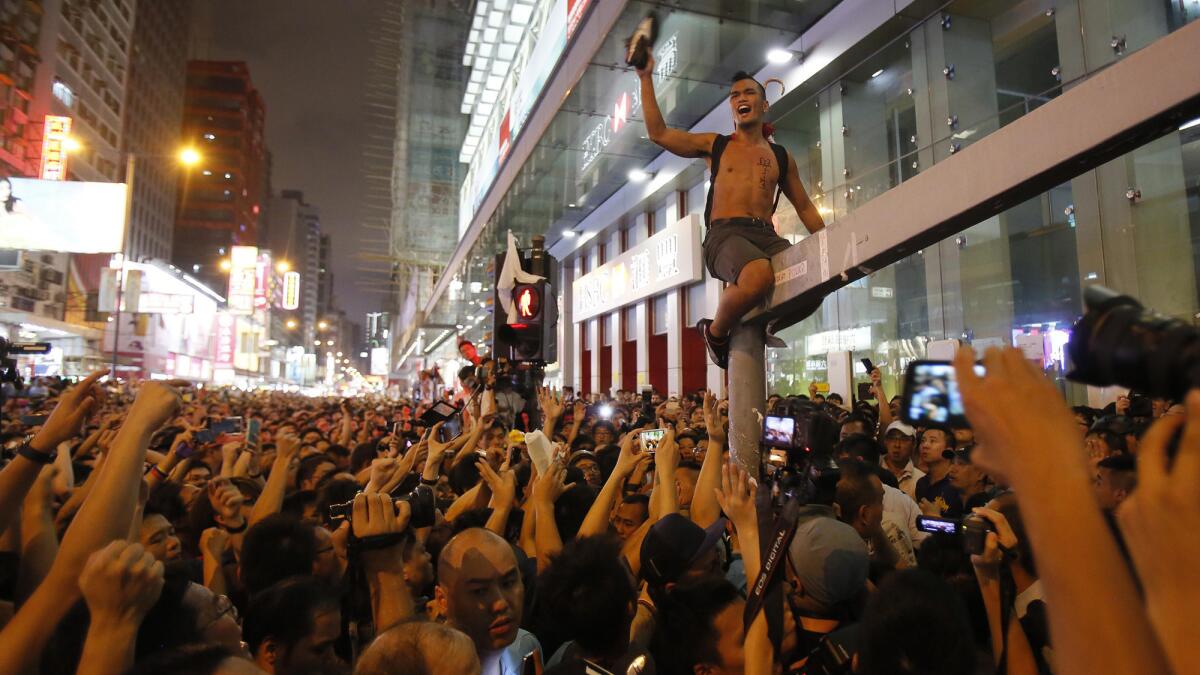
x,y
674,344
594,343
617,330
642,325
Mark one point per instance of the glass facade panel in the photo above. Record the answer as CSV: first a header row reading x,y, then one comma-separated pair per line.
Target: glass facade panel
x,y
1020,273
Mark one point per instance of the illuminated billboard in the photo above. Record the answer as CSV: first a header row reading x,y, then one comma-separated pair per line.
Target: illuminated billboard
x,y
243,278
55,133
291,290
67,216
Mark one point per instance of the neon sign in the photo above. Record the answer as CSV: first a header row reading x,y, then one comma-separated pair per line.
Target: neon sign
x,y
54,151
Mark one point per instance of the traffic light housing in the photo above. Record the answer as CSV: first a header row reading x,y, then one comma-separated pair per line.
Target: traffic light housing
x,y
532,337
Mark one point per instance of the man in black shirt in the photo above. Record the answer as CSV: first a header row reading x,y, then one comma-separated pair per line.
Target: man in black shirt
x,y
936,495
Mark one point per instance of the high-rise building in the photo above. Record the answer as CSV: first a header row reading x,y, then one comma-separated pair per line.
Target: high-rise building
x,y
415,86
325,304
153,115
84,50
221,198
293,234
21,24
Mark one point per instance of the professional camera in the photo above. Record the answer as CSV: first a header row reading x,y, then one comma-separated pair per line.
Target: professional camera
x,y
798,437
421,500
1117,341
971,529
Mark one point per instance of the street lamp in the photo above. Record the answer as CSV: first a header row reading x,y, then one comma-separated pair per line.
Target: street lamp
x,y
283,266
322,325
291,324
226,265
189,157
186,157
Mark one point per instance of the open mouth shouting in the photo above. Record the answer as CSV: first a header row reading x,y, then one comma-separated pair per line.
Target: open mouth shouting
x,y
744,109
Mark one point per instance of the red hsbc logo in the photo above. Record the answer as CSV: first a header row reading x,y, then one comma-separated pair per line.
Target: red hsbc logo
x,y
620,112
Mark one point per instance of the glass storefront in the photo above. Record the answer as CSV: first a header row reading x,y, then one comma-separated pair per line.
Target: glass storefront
x,y
1133,224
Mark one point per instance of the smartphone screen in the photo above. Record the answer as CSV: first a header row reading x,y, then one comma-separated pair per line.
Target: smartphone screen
x,y
651,438
938,525
451,429
252,431
205,436
779,431
931,394
33,420
229,425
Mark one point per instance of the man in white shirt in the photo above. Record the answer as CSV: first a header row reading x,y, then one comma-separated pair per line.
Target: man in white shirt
x,y
898,440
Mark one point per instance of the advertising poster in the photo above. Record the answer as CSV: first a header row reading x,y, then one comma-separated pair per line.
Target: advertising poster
x,y
68,216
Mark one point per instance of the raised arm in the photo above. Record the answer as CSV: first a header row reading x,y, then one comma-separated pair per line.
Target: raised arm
x,y
63,424
705,509
677,141
794,190
1017,413
271,499
596,521
104,517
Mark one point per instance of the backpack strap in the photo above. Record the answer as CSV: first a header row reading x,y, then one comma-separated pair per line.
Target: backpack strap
x,y
718,147
781,156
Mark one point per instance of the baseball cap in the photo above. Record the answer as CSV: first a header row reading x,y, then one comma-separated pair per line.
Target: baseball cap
x,y
903,428
830,560
673,543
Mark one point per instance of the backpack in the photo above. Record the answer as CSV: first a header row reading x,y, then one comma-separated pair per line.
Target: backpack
x,y
718,148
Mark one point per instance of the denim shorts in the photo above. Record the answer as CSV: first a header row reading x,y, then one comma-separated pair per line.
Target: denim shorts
x,y
731,243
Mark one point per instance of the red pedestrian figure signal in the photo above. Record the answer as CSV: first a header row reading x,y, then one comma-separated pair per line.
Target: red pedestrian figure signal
x,y
529,302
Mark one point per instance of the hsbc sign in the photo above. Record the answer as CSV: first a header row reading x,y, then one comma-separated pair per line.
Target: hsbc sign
x,y
628,104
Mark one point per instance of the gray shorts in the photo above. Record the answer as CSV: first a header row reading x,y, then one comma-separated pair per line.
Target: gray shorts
x,y
732,242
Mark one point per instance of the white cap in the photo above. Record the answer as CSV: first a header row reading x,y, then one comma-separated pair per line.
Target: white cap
x,y
902,428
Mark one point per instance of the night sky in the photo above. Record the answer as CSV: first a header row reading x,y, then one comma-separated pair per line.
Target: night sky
x,y
308,59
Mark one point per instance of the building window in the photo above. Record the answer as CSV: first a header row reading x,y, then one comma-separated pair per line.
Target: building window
x,y
63,93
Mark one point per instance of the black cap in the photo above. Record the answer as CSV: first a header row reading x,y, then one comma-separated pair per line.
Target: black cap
x,y
672,544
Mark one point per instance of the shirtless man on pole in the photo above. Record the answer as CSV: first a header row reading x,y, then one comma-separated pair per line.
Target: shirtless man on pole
x,y
748,175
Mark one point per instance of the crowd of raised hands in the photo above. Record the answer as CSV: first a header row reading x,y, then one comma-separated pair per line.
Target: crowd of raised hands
x,y
159,528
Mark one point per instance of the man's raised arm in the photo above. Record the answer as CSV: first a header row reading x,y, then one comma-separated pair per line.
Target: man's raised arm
x,y
677,141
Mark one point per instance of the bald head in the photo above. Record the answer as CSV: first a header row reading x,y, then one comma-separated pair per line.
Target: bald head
x,y
419,648
474,545
480,589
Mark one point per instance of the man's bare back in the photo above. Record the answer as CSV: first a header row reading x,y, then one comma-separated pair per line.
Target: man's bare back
x,y
746,186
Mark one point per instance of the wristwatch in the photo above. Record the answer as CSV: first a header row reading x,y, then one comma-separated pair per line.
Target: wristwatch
x,y
29,452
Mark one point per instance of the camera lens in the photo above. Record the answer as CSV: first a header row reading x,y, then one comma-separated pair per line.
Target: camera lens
x,y
1120,342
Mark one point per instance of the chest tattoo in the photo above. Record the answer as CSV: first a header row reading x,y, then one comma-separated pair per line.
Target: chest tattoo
x,y
764,167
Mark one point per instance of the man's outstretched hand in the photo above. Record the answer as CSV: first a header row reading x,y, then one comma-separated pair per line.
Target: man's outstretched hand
x,y
121,582
68,416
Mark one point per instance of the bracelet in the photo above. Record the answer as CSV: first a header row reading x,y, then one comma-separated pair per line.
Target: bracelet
x,y
236,530
426,481
28,452
158,472
648,605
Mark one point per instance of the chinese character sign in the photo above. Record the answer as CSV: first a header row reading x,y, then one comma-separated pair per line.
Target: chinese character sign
x,y
54,147
243,277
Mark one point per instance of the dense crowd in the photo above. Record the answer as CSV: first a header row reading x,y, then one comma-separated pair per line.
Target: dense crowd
x,y
159,528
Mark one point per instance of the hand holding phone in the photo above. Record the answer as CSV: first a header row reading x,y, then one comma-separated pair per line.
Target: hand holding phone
x,y
931,394
650,440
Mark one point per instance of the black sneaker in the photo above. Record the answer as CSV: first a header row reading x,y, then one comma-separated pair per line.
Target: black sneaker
x,y
718,349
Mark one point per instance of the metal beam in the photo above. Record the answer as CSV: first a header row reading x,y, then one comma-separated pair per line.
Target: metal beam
x,y
1146,95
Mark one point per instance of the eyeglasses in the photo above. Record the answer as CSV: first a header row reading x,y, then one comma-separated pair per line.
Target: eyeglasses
x,y
224,607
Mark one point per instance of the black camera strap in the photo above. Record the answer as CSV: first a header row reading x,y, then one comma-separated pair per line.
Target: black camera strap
x,y
766,587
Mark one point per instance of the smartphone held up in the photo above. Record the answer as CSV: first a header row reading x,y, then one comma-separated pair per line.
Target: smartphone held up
x,y
931,394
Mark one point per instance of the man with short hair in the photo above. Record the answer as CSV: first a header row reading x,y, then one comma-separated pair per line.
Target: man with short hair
x,y
480,592
157,535
749,173
859,504
291,627
700,629
855,423
630,514
936,495
898,440
1116,477
422,647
